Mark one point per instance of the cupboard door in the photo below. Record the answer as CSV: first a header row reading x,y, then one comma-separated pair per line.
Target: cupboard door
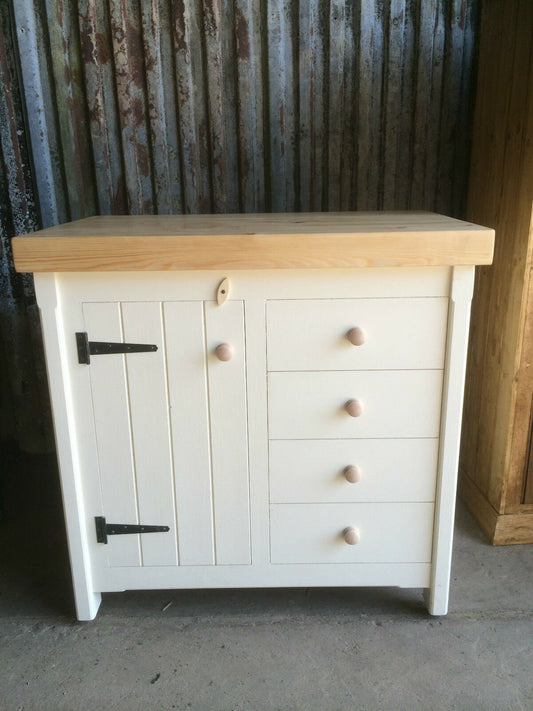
x,y
171,432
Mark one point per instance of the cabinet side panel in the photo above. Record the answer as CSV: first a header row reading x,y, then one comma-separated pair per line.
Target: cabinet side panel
x,y
229,435
450,437
86,593
147,385
109,391
187,382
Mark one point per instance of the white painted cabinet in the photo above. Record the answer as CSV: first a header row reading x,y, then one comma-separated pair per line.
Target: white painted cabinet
x,y
303,431
171,432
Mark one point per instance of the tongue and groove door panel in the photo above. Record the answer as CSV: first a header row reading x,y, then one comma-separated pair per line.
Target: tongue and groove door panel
x,y
159,416
113,432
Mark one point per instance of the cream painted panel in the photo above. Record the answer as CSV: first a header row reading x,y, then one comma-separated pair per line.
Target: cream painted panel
x,y
147,384
187,382
113,432
314,533
229,436
397,333
305,471
311,405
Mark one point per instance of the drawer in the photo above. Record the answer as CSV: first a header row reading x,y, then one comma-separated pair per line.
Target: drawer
x,y
312,471
397,333
388,533
311,405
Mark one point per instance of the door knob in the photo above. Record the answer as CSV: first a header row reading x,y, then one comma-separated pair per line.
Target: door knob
x,y
224,351
354,408
352,473
356,336
351,535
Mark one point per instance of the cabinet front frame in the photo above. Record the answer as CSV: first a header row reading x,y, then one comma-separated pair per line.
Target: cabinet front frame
x,y
59,297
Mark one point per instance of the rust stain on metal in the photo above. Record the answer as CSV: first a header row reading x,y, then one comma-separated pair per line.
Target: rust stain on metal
x,y
461,18
210,22
242,36
180,36
137,111
143,159
136,53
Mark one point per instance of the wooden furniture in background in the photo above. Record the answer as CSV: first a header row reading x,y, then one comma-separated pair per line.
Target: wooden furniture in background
x,y
496,478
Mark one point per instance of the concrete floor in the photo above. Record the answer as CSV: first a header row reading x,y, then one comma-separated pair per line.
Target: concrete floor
x,y
255,649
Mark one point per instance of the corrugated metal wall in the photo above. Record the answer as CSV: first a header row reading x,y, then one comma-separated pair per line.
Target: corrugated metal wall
x,y
169,106
24,409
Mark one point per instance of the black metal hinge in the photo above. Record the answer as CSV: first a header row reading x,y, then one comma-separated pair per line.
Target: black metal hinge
x,y
88,348
103,529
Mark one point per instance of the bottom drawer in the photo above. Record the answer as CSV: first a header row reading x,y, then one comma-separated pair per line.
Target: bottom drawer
x,y
388,533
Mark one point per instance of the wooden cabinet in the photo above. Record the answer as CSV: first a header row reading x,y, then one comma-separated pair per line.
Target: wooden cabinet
x,y
496,480
301,430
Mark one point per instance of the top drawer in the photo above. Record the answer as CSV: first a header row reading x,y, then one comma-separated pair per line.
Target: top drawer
x,y
395,333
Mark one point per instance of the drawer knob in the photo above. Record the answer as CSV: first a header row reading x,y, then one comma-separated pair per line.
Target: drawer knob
x,y
351,535
354,408
352,473
356,336
224,351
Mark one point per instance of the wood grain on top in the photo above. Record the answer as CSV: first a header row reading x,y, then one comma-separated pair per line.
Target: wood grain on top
x,y
254,241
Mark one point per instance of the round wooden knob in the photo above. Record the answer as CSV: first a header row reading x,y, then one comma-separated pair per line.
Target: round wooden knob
x,y
351,535
224,351
354,408
356,336
352,473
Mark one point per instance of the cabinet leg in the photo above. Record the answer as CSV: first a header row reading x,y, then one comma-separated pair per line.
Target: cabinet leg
x,y
436,604
87,606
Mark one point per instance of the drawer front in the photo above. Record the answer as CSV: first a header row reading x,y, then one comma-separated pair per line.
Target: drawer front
x,y
388,533
397,333
311,405
314,471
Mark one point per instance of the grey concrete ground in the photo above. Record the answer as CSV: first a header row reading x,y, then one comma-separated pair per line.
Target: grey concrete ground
x,y
256,649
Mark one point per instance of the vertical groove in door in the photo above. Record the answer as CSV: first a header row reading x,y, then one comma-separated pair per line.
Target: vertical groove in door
x,y
209,427
189,426
169,432
132,452
143,323
247,422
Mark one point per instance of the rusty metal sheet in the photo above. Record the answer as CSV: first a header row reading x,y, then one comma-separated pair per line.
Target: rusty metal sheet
x,y
312,39
102,110
68,95
251,104
213,105
282,77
